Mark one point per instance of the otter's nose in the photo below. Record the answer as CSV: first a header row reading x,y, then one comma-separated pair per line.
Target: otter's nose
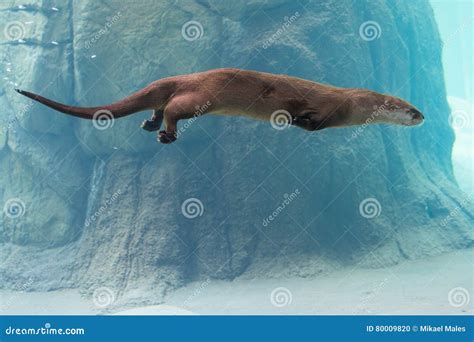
x,y
417,115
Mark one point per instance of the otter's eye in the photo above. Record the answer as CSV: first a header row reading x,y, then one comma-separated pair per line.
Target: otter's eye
x,y
391,106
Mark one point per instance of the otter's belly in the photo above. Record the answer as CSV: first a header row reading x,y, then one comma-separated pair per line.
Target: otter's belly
x,y
258,114
260,109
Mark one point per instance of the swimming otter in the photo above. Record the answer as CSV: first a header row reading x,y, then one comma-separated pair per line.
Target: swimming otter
x,y
309,105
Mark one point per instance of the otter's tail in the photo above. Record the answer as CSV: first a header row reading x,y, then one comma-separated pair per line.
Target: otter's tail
x,y
136,102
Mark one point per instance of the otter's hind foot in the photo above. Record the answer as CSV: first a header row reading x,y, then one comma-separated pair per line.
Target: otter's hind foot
x,y
166,138
151,125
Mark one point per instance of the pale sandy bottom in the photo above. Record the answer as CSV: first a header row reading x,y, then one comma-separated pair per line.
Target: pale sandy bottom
x,y
413,287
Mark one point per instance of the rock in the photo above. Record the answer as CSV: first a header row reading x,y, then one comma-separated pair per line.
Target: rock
x,y
47,178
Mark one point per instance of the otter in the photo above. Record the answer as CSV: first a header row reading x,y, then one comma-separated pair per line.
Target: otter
x,y
306,104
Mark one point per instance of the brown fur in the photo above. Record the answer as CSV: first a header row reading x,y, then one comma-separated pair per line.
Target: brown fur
x,y
312,105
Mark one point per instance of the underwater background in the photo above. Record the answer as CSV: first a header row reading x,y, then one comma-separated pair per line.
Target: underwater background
x,y
108,210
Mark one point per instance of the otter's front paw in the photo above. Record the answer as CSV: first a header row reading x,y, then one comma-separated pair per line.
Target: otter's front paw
x,y
166,138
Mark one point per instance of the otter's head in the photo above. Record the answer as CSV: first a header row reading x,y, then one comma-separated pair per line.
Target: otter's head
x,y
380,108
399,112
